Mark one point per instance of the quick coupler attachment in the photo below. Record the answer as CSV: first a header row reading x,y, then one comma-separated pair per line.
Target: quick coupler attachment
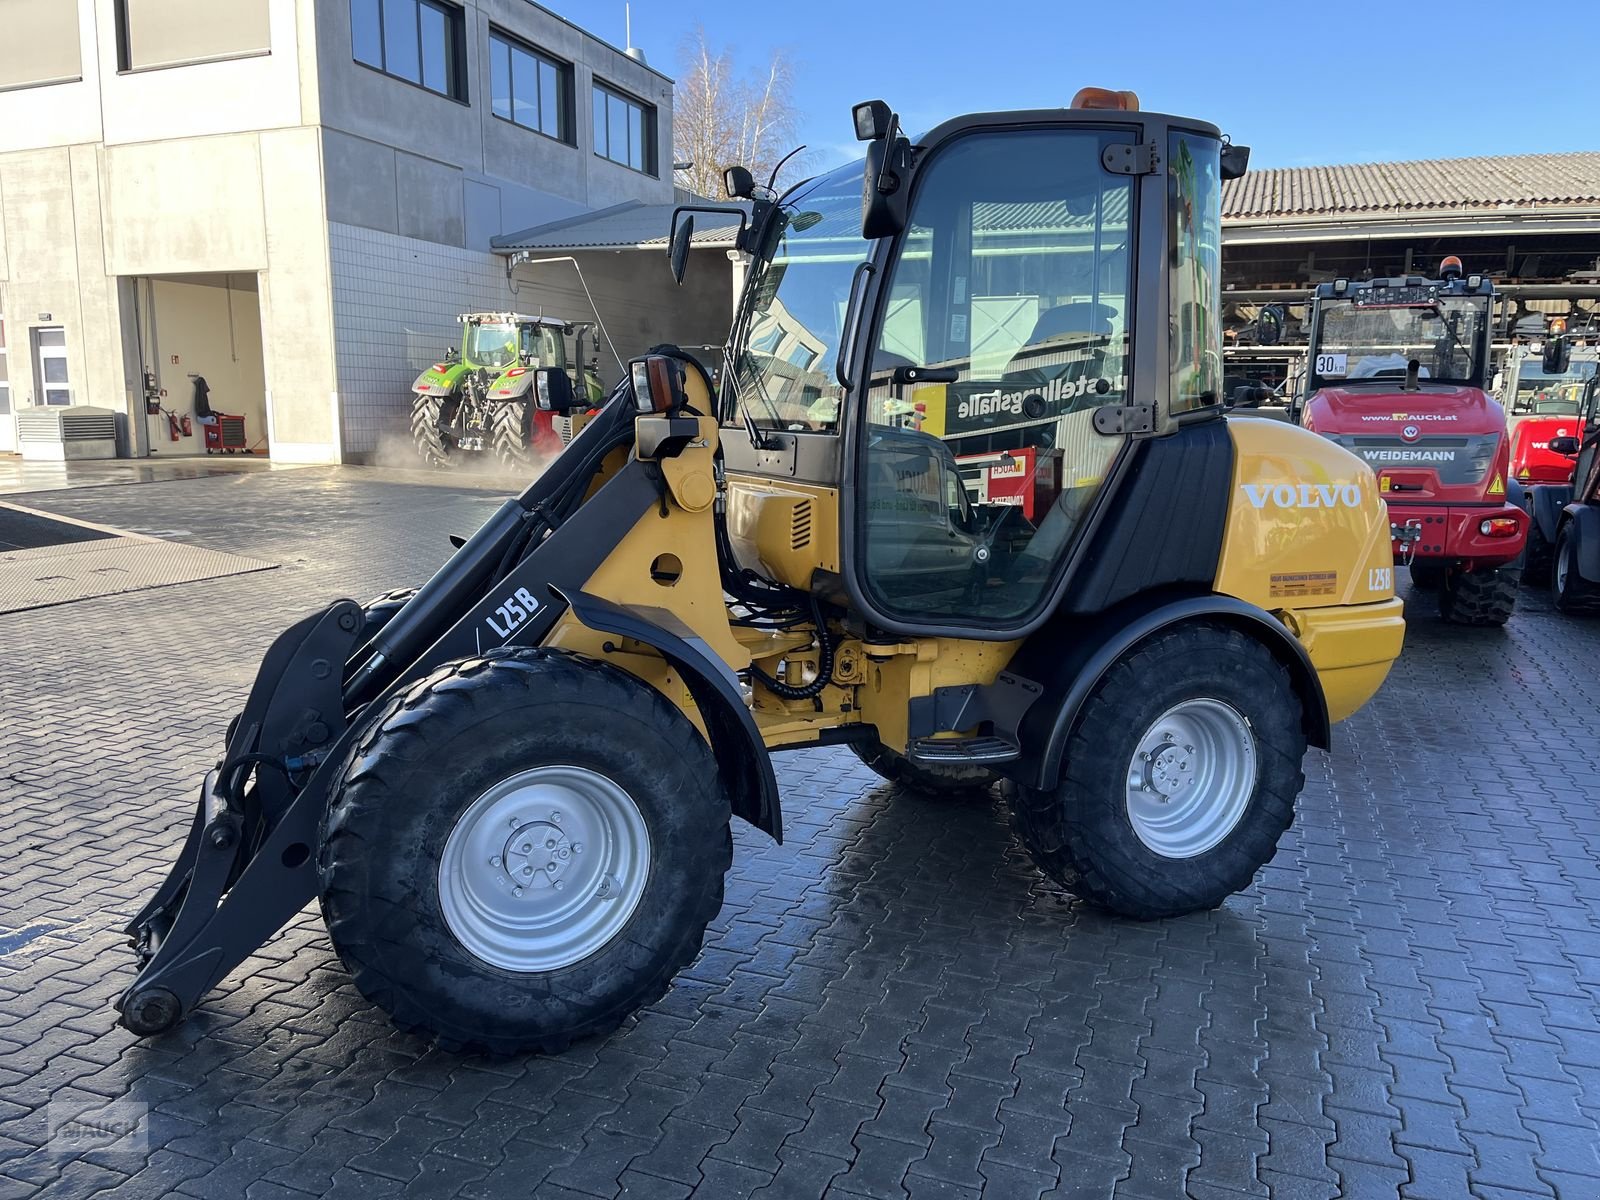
x,y
248,863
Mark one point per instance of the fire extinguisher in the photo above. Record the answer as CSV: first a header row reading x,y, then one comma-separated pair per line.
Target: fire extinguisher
x,y
178,427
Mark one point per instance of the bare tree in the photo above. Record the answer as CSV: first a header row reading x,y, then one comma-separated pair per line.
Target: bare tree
x,y
721,117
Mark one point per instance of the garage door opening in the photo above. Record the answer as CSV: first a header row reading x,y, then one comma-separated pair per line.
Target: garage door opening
x,y
199,341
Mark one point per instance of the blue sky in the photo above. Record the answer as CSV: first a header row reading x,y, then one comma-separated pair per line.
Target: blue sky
x,y
1300,82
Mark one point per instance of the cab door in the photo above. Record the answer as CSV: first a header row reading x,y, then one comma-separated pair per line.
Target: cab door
x,y
1005,321
1584,481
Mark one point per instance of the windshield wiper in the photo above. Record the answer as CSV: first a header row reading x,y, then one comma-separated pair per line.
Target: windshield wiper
x,y
1459,345
758,439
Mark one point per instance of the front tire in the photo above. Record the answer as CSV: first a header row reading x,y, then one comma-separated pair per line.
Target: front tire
x,y
1479,598
1573,594
524,849
941,780
1218,723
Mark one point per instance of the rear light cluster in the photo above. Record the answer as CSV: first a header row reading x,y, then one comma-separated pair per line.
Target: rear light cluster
x,y
1499,526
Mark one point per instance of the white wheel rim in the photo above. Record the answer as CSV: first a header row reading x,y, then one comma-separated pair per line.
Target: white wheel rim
x,y
544,868
1191,778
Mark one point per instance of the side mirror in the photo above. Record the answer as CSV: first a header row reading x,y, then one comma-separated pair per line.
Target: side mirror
x,y
872,120
552,390
738,182
1557,354
678,250
1563,445
1235,160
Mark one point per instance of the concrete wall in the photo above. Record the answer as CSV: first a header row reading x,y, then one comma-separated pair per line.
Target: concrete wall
x,y
408,161
51,262
212,325
191,169
257,92
396,301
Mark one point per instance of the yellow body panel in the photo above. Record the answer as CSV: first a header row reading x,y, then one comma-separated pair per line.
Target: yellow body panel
x,y
1307,539
784,530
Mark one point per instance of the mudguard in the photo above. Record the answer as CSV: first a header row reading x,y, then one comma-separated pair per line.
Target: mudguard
x,y
1545,504
1070,657
1582,522
735,740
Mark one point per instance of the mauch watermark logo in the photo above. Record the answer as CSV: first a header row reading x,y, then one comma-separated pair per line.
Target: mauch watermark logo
x,y
75,1127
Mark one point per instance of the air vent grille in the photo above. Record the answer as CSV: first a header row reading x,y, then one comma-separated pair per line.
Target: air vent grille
x,y
800,526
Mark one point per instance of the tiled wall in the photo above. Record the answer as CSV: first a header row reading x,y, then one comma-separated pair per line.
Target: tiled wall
x,y
395,303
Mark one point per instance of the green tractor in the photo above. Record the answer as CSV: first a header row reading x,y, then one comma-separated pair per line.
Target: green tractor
x,y
479,399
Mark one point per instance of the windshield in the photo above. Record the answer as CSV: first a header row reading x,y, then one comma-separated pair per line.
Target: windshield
x,y
1369,341
493,346
1552,395
783,373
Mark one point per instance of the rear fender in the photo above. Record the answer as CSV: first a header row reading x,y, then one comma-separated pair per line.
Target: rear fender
x,y
434,382
1582,522
741,754
512,384
1074,656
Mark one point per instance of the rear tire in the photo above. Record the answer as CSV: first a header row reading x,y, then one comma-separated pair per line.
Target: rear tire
x,y
432,446
943,780
1427,576
1538,560
510,433
416,906
1107,834
1479,598
1573,594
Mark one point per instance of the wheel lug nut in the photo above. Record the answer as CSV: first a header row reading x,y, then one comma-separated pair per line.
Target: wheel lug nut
x,y
495,861
559,885
515,821
556,817
526,846
516,891
549,843
527,870
577,847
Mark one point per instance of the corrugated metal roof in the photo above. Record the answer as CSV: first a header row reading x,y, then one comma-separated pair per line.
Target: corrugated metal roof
x,y
1435,184
632,225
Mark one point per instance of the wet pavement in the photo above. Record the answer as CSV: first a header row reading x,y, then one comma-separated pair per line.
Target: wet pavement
x,y
892,1003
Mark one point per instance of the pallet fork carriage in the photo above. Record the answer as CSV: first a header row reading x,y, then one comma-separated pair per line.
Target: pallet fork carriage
x,y
511,789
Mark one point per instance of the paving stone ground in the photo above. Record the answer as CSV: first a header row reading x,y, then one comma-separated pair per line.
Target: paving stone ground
x,y
893,1003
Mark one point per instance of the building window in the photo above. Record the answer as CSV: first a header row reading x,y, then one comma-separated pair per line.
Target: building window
x,y
175,33
49,29
415,40
624,130
529,88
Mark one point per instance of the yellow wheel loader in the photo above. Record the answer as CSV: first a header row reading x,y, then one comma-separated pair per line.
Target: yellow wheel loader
x,y
965,500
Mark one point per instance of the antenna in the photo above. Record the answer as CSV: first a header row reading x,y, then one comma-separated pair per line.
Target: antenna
x,y
630,49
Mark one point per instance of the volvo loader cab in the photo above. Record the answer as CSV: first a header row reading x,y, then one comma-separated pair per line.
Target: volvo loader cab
x,y
1396,374
514,798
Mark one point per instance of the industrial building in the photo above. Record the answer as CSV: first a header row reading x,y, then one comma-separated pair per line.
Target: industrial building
x,y
293,199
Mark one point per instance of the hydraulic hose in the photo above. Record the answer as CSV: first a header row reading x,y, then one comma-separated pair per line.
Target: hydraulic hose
x,y
787,691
